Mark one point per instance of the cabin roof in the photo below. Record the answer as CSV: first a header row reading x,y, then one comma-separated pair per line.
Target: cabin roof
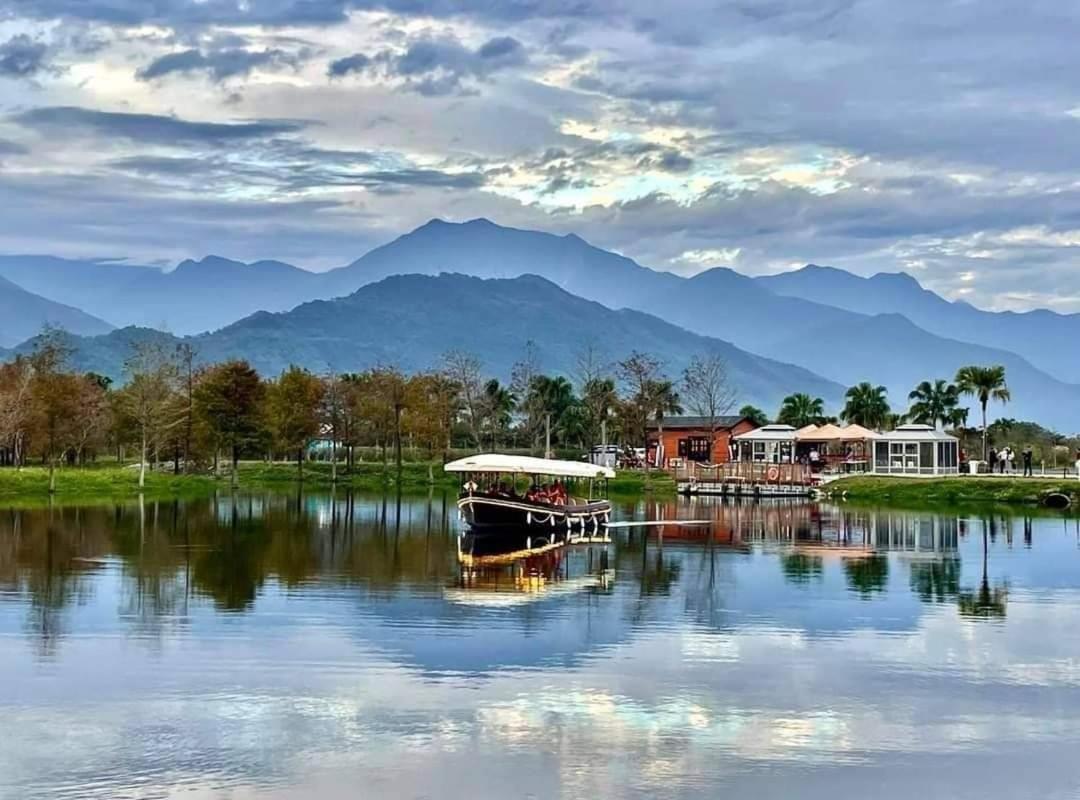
x,y
527,465
917,433
769,433
697,423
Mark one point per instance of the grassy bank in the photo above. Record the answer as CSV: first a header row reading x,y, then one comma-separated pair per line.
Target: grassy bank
x,y
954,490
87,484
110,482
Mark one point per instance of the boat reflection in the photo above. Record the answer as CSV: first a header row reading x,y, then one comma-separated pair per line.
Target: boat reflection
x,y
499,570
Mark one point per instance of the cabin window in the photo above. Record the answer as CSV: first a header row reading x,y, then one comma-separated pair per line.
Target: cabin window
x,y
698,448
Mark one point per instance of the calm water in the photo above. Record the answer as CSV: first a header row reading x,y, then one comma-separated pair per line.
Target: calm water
x,y
281,647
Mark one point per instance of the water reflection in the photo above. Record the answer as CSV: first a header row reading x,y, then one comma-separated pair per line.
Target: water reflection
x,y
298,645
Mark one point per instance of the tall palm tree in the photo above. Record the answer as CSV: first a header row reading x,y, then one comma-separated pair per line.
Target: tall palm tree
x,y
933,403
894,421
958,418
600,399
498,403
755,415
985,383
551,397
866,405
800,410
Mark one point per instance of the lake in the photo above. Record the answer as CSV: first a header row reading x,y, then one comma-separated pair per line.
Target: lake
x,y
290,646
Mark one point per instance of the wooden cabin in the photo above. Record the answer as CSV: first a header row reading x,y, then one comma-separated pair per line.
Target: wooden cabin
x,y
695,439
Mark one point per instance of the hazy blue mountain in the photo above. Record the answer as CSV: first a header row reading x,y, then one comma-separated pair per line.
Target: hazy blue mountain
x,y
723,303
23,314
891,350
1043,337
486,250
719,302
197,296
772,316
412,320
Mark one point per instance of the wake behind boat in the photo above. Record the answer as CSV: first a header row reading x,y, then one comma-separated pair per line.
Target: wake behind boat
x,y
490,499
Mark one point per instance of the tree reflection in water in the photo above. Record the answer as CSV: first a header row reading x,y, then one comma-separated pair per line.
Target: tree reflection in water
x,y
867,574
936,581
170,555
985,601
225,549
800,568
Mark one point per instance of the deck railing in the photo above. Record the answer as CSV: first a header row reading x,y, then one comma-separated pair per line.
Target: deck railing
x,y
748,472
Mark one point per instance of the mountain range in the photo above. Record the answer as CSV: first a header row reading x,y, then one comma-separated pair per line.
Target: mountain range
x,y
411,321
887,329
23,314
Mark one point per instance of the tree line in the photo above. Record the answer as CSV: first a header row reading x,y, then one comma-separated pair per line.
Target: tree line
x,y
172,410
935,403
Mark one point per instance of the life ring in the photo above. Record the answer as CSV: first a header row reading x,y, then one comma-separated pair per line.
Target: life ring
x,y
773,473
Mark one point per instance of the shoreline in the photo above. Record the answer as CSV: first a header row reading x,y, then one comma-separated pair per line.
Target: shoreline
x,y
958,490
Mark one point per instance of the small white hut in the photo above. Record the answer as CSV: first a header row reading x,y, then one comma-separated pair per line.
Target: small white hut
x,y
770,444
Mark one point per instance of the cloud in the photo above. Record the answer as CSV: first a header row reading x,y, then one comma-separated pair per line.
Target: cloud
x,y
147,128
421,177
357,62
440,66
219,65
22,57
12,148
872,135
183,13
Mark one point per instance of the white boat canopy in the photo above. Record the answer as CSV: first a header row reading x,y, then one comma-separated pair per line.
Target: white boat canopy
x,y
527,465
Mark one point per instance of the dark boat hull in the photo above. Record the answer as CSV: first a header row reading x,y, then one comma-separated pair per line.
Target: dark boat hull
x,y
493,514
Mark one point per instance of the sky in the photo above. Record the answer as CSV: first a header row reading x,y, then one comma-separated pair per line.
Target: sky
x,y
937,137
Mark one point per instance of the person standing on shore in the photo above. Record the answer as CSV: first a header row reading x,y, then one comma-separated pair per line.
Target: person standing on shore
x,y
991,460
1027,463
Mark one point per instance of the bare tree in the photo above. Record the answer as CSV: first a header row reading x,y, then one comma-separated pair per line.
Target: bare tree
x,y
708,391
333,414
640,374
465,370
590,365
523,376
16,382
54,395
150,397
93,417
185,357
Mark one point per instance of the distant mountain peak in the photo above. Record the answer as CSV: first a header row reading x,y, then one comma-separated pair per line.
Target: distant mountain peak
x,y
897,278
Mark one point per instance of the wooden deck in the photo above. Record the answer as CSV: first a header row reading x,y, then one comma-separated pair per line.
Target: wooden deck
x,y
746,479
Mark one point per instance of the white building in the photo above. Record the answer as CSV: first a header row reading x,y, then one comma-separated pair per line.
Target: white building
x,y
915,450
771,444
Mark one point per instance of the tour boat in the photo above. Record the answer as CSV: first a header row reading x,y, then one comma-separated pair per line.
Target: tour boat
x,y
490,500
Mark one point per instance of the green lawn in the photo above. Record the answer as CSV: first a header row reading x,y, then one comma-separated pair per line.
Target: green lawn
x,y
88,484
112,482
953,490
